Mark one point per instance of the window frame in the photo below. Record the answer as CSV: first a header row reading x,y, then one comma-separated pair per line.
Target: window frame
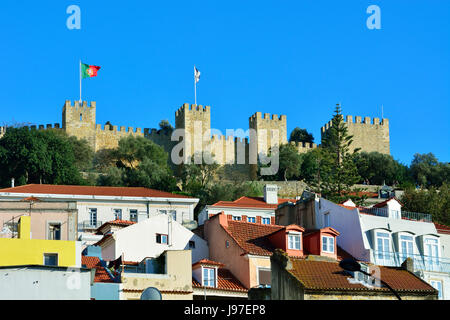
x,y
265,218
209,280
93,213
115,211
253,218
236,218
328,244
161,236
51,254
132,213
294,235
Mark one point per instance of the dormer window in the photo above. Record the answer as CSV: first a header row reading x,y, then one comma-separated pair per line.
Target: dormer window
x,y
209,277
294,241
406,246
431,252
327,244
265,220
251,219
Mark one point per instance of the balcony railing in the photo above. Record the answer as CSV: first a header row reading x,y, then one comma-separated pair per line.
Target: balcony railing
x,y
405,215
89,225
422,263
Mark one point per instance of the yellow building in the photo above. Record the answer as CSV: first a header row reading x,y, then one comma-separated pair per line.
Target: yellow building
x,y
27,251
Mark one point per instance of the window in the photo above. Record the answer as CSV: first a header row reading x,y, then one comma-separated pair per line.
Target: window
x,y
227,244
294,241
328,244
93,217
431,254
264,276
81,117
133,215
236,218
162,211
54,231
209,279
265,220
395,214
383,245
438,286
251,219
50,259
162,238
326,220
191,244
407,246
118,214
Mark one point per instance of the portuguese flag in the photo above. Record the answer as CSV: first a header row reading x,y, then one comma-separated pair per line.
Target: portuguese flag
x,y
88,71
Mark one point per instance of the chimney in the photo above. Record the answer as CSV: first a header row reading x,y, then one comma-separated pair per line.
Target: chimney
x,y
408,264
223,219
271,193
12,182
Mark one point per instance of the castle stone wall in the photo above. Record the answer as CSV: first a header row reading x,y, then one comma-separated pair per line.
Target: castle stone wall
x,y
369,134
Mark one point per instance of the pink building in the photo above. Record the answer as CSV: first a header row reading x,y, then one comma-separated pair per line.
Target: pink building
x,y
56,220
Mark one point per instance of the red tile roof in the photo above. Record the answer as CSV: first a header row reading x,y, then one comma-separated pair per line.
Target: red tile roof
x,y
100,273
90,190
251,237
225,281
442,228
251,202
208,262
117,222
322,275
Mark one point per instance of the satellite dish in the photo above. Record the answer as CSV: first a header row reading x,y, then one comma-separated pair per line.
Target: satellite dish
x,y
350,265
151,293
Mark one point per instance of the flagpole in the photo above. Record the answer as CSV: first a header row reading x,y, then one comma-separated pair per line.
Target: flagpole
x,y
195,88
80,80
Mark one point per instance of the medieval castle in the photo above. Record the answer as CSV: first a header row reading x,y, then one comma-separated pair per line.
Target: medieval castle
x,y
79,119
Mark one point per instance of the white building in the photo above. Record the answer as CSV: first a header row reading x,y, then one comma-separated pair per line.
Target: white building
x,y
97,205
150,238
33,282
386,235
251,209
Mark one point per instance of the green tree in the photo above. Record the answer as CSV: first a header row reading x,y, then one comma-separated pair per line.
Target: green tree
x,y
142,163
301,135
428,171
337,179
434,201
290,162
198,176
34,156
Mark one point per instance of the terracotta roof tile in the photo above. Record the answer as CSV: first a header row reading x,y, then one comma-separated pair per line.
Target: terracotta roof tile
x,y
442,228
321,275
225,281
252,237
91,190
251,202
208,262
101,275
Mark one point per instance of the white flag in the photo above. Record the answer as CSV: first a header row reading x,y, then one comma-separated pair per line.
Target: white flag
x,y
196,74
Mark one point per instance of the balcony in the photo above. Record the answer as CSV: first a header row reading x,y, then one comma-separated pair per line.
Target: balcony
x,y
89,225
405,215
422,263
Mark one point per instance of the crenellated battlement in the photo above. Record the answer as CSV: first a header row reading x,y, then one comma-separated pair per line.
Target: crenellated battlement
x,y
77,105
117,130
193,108
267,116
43,127
350,120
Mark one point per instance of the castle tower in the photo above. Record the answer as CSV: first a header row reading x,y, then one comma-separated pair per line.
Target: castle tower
x,y
79,120
370,135
196,120
267,129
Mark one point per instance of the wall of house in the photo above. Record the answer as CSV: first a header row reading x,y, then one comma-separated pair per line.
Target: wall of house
x,y
129,240
256,262
237,264
444,278
348,224
106,291
42,213
284,286
208,210
445,244
178,277
34,283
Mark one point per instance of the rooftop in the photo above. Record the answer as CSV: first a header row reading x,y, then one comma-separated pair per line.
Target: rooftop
x,y
101,275
225,281
91,191
251,202
325,275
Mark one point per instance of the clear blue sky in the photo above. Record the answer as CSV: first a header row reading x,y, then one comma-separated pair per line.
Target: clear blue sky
x,y
297,58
